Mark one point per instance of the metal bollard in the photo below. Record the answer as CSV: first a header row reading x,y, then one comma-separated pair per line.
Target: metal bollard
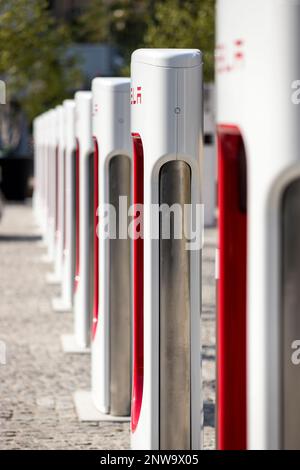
x,y
166,102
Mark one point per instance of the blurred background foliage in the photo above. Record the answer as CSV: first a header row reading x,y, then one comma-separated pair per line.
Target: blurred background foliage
x,y
131,24
184,24
39,73
33,62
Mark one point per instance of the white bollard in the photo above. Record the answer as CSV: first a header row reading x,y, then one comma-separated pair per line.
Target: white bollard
x,y
111,365
50,171
110,397
43,159
258,126
167,135
83,132
37,195
210,156
53,169
36,166
65,302
45,177
56,276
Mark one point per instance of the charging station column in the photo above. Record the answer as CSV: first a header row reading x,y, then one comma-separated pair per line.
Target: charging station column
x,y
166,125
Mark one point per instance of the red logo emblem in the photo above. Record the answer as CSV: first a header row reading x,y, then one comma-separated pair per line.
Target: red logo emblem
x,y
230,57
136,95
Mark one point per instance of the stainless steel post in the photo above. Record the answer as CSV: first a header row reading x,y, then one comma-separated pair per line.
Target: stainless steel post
x,y
290,315
120,294
175,311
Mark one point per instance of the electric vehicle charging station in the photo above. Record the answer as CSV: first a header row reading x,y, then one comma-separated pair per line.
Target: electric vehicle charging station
x,y
166,125
110,397
45,160
43,172
56,276
42,165
111,354
49,172
54,182
65,302
210,156
37,197
36,166
41,149
80,340
258,126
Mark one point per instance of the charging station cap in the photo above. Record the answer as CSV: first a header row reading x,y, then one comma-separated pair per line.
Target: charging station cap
x,y
83,95
177,58
117,84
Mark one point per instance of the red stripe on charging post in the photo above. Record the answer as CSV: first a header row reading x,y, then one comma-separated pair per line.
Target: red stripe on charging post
x,y
231,309
138,287
96,240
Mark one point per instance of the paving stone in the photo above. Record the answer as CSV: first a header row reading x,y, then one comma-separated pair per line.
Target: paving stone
x,y
37,382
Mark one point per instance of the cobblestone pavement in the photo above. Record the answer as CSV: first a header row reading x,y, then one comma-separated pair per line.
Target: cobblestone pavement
x,y
37,382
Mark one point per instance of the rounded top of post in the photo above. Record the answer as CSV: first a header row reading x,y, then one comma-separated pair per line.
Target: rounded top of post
x,y
83,95
69,103
52,112
177,58
119,84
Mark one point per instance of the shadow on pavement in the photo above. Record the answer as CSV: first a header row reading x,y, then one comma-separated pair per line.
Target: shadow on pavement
x,y
209,414
20,238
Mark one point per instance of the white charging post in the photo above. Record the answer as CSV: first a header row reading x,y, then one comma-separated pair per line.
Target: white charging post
x,y
166,125
45,181
65,302
210,156
51,171
56,276
110,397
38,169
258,63
43,173
80,341
111,365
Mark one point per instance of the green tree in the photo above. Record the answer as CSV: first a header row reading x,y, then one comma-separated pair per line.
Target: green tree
x,y
131,24
184,24
33,60
94,23
118,22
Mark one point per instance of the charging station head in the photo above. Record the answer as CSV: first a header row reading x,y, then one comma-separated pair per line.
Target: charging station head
x,y
178,58
69,107
116,84
83,119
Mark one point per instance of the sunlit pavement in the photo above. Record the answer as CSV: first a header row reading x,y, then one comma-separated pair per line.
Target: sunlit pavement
x,y
37,382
